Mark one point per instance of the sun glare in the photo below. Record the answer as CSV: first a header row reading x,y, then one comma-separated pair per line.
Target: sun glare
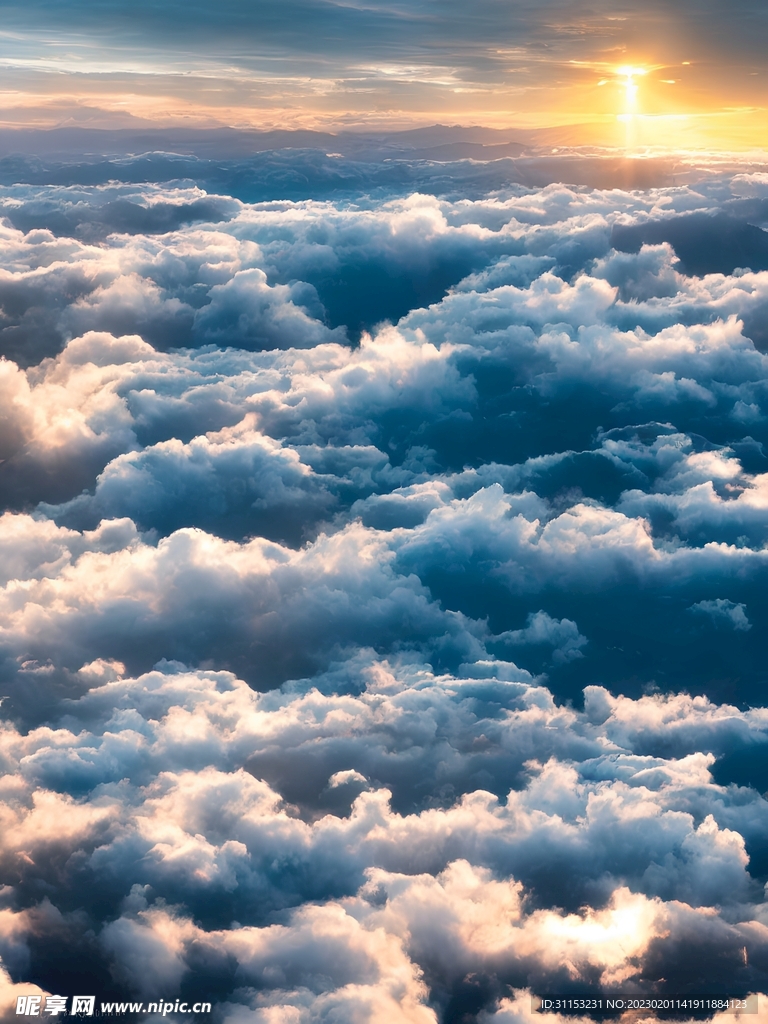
x,y
628,74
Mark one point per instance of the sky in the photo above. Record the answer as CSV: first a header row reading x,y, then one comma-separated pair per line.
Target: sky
x,y
691,73
383,510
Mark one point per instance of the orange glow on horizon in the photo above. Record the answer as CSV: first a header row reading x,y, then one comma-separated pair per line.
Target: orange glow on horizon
x,y
634,104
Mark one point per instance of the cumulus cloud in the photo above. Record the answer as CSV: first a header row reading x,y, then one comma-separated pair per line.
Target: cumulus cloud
x,y
723,611
563,635
381,587
476,885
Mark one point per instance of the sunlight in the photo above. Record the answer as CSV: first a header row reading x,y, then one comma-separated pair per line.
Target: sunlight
x,y
626,75
629,74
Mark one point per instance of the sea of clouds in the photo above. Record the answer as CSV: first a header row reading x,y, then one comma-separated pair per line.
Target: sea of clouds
x,y
383,593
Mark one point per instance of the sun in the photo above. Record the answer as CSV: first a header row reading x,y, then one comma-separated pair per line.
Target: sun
x,y
627,74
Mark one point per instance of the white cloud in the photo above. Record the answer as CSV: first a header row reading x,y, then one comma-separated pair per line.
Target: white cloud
x,y
420,550
725,612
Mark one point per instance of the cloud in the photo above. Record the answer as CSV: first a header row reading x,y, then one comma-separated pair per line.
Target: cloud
x,y
244,481
726,612
704,244
311,65
563,635
165,809
382,590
